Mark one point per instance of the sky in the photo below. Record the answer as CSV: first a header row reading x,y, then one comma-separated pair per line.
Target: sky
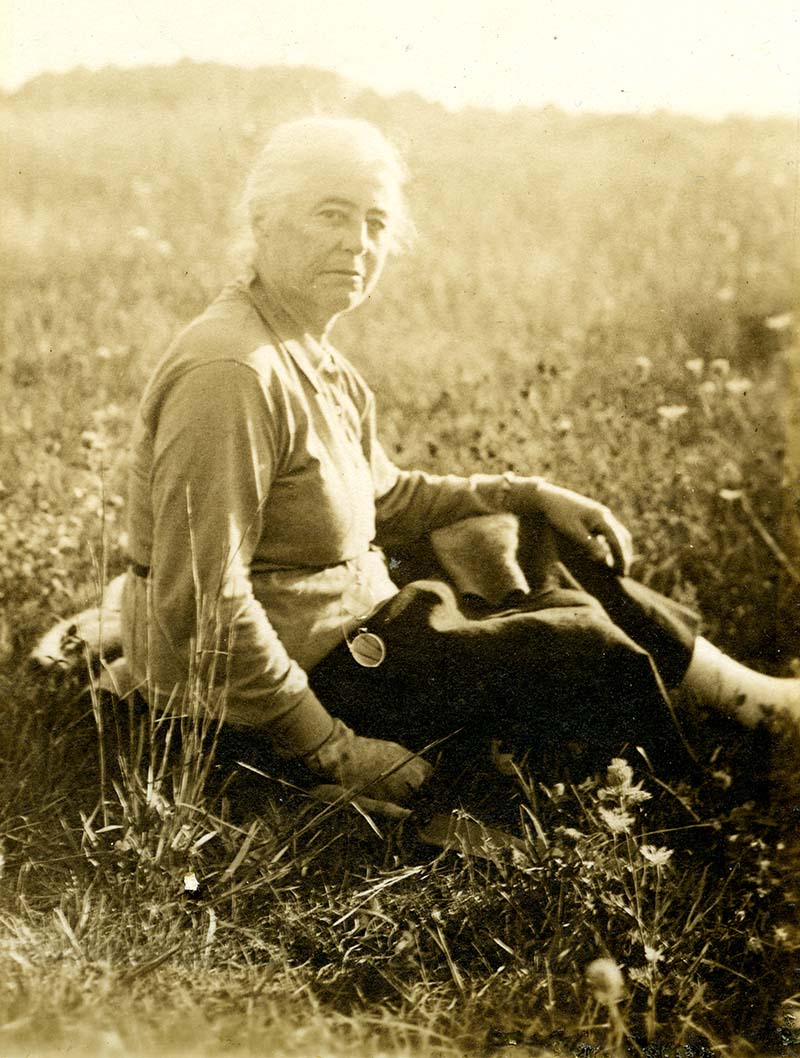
x,y
708,57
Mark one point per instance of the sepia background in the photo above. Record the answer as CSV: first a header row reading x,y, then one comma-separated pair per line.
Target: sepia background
x,y
601,291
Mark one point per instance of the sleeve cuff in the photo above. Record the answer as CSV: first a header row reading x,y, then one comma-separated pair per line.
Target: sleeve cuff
x,y
520,495
302,729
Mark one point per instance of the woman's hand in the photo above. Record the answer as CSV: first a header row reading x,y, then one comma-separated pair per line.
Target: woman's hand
x,y
382,770
588,523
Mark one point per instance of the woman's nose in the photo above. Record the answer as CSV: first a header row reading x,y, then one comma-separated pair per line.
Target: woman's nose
x,y
356,237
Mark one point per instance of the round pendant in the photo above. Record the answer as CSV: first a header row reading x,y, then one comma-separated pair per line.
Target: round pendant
x,y
368,649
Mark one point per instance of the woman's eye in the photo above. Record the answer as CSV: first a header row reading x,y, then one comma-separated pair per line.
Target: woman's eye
x,y
376,225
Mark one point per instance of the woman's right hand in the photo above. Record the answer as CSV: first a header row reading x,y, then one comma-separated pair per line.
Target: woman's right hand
x,y
382,770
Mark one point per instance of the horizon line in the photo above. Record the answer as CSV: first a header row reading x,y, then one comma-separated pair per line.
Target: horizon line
x,y
9,88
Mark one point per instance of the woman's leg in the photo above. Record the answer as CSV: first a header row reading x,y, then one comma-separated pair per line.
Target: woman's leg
x,y
552,670
728,687
688,663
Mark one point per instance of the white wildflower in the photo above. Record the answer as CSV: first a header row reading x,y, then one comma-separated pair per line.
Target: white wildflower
x,y
92,440
605,979
669,413
619,773
620,785
738,387
657,855
617,820
653,955
781,322
695,365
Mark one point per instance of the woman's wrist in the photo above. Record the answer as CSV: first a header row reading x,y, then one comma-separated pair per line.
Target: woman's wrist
x,y
522,494
303,729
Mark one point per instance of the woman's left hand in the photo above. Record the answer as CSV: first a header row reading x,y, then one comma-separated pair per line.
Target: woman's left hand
x,y
588,523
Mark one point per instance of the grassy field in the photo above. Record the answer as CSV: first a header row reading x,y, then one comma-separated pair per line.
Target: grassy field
x,y
600,300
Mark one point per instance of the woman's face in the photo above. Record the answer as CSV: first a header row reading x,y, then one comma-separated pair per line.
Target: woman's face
x,y
324,251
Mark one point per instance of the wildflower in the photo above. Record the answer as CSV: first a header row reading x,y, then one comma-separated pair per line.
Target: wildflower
x,y
564,425
190,883
103,352
620,785
695,365
619,773
726,294
656,855
730,495
605,979
671,412
780,322
617,820
720,366
707,389
92,440
738,387
653,955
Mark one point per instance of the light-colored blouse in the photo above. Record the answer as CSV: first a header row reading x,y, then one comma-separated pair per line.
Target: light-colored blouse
x,y
260,499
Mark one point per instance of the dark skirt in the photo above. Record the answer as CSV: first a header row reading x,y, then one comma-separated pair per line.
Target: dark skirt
x,y
587,656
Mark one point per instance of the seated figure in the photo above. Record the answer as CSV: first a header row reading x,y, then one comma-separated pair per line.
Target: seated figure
x,y
262,507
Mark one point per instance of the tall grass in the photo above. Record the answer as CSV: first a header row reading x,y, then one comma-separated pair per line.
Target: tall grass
x,y
586,300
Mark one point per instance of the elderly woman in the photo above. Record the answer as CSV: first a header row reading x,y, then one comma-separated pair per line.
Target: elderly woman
x,y
261,501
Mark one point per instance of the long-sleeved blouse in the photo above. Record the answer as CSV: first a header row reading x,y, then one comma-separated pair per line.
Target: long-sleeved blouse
x,y
260,499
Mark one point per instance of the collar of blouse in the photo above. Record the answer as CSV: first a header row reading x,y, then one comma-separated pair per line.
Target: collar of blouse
x,y
311,356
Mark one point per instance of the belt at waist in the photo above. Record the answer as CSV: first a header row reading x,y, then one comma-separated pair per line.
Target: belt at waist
x,y
140,570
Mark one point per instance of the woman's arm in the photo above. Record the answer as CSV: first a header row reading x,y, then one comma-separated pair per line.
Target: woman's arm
x,y
410,503
215,454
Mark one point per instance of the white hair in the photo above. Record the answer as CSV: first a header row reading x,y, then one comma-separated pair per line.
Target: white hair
x,y
296,147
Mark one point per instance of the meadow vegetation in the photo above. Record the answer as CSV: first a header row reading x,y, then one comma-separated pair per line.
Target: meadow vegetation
x,y
600,300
